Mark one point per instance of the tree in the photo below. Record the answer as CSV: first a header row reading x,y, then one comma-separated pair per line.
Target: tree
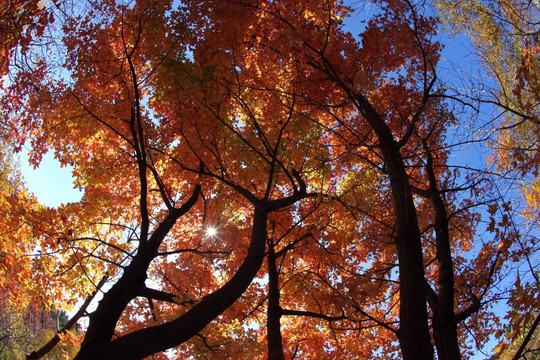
x,y
323,154
505,38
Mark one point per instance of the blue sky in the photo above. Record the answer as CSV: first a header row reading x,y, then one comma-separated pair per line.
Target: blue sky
x,y
50,183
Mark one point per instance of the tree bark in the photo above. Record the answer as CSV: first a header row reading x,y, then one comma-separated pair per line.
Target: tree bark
x,y
444,317
273,324
413,334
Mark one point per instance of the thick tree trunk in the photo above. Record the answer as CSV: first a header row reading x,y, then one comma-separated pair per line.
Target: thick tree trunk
x,y
444,317
273,324
445,335
145,342
413,334
103,320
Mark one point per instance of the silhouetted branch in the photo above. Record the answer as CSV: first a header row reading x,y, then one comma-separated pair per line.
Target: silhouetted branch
x,y
45,349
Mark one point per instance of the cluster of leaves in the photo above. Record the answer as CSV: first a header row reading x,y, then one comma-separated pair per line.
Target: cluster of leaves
x,y
319,158
20,22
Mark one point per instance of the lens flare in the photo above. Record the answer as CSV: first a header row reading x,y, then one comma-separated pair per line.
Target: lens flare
x,y
210,231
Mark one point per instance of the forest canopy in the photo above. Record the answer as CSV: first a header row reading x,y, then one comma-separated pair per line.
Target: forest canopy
x,y
274,179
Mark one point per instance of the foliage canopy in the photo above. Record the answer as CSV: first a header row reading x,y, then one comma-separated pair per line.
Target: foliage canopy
x,y
259,181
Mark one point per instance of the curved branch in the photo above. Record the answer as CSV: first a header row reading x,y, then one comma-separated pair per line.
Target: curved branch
x,y
525,342
142,343
45,349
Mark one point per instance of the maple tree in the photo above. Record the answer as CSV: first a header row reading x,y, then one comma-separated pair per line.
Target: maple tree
x,y
505,38
257,164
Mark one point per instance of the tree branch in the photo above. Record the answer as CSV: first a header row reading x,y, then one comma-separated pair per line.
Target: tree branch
x,y
45,349
530,333
287,312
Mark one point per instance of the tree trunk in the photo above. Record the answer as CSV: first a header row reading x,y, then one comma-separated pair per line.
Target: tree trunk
x,y
273,325
445,335
413,334
444,317
103,320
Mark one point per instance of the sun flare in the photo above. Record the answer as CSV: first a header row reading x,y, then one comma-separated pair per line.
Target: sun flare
x,y
210,231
